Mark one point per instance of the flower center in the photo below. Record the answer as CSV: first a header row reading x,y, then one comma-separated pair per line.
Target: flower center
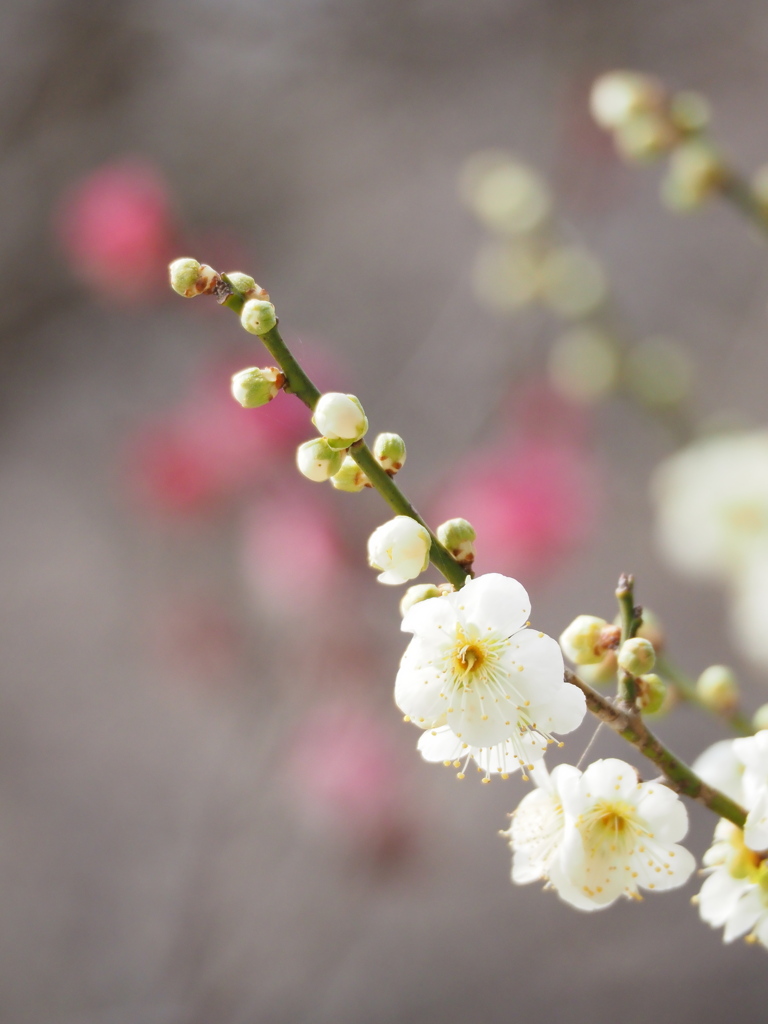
x,y
610,823
469,658
745,863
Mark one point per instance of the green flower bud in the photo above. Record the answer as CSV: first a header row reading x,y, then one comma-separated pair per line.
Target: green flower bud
x,y
644,138
190,278
458,536
619,96
317,460
587,639
695,173
760,718
340,419
256,386
507,196
389,449
419,592
242,283
573,283
652,692
690,112
507,276
258,316
603,673
637,656
350,477
718,689
583,364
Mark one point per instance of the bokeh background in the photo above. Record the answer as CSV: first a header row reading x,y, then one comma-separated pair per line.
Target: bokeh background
x,y
210,812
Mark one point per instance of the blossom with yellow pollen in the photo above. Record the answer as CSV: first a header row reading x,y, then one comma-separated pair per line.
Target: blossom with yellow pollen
x,y
600,835
480,682
735,896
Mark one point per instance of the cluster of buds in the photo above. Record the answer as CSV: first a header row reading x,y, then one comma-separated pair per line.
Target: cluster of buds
x,y
595,646
647,122
523,263
254,386
341,421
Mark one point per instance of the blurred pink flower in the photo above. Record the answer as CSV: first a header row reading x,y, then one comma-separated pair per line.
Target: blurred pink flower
x,y
344,772
532,497
116,229
293,558
209,449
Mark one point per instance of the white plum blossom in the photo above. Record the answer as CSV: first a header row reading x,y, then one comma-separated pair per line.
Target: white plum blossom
x,y
712,500
487,686
735,896
400,548
752,752
749,609
340,419
739,768
719,766
600,835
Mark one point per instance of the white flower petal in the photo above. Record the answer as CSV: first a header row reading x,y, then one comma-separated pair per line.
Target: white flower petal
x,y
498,602
719,766
756,827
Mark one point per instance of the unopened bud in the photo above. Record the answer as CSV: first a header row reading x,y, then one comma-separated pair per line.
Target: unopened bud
x,y
572,281
258,316
400,548
645,137
458,536
621,95
690,112
583,641
695,173
417,593
652,692
350,477
718,689
389,449
602,673
317,460
242,283
340,419
760,718
190,278
506,195
637,656
583,364
257,386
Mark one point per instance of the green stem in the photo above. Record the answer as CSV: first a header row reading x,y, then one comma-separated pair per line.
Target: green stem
x,y
738,192
630,726
687,691
299,384
631,619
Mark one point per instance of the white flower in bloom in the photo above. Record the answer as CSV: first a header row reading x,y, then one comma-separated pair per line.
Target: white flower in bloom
x,y
712,502
719,766
400,548
599,835
441,744
749,609
474,667
625,834
752,752
735,896
340,419
537,834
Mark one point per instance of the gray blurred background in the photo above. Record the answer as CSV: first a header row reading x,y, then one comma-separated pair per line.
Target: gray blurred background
x,y
156,862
